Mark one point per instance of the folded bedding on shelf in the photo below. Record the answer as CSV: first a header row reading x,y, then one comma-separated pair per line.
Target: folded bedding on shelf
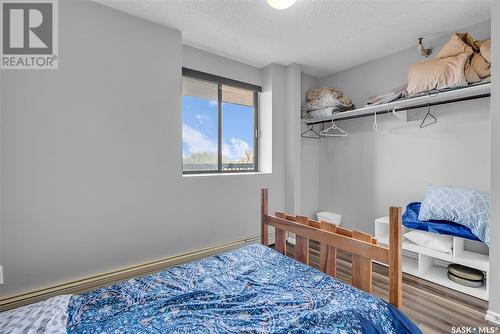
x,y
317,93
395,94
327,102
324,102
320,113
410,220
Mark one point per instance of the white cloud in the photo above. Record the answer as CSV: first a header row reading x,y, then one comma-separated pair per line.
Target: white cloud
x,y
213,103
196,141
235,149
202,119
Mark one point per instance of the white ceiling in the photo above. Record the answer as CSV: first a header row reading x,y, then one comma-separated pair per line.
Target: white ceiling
x,y
323,36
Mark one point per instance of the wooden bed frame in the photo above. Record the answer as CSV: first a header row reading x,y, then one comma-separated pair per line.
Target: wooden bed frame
x,y
362,246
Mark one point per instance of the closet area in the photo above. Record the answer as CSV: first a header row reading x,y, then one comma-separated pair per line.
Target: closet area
x,y
410,129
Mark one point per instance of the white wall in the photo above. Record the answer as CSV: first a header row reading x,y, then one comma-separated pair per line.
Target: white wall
x,y
293,147
91,155
360,176
494,303
309,159
1,185
273,82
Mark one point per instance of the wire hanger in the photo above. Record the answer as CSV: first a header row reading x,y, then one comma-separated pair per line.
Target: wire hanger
x,y
314,134
326,133
434,119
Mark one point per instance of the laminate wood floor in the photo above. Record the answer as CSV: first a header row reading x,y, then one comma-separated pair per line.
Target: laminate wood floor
x,y
434,308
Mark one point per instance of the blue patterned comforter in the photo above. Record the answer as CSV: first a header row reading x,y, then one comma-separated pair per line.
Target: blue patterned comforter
x,y
253,289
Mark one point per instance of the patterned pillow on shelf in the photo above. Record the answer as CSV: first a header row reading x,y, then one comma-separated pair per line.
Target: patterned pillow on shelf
x,y
463,206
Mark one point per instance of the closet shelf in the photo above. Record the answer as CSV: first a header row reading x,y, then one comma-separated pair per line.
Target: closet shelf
x,y
431,99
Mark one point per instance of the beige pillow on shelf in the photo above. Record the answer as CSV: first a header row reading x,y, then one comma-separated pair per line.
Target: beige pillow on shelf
x,y
467,38
456,45
480,65
477,68
485,49
438,73
470,74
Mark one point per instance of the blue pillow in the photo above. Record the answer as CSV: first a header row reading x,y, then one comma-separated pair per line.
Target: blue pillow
x,y
466,207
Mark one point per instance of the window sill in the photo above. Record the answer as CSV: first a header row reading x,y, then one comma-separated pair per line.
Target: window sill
x,y
226,174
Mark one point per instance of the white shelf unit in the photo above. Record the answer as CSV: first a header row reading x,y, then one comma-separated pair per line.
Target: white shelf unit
x,y
433,98
431,265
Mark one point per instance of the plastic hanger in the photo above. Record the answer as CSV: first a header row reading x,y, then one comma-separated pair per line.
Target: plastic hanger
x,y
395,113
326,132
375,124
433,121
314,134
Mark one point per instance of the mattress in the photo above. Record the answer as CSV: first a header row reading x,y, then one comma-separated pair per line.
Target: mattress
x,y
253,289
410,220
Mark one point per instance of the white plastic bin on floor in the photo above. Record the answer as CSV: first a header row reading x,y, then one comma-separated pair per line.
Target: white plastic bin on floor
x,y
329,217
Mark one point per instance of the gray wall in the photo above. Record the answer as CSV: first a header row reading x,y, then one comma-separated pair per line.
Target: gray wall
x,y
91,156
360,176
208,62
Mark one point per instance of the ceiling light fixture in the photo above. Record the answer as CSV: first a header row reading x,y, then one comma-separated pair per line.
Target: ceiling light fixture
x,y
280,4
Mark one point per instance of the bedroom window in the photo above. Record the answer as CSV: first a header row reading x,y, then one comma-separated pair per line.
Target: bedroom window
x,y
219,124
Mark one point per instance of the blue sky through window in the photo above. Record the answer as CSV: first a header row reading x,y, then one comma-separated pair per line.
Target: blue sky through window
x,y
199,128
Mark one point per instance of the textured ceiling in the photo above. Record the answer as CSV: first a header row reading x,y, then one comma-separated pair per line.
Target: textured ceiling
x,y
323,36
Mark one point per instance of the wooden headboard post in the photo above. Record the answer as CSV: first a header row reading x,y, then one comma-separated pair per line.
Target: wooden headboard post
x,y
264,209
362,246
395,257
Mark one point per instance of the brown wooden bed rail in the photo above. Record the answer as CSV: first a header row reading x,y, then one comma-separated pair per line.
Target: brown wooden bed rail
x,y
362,246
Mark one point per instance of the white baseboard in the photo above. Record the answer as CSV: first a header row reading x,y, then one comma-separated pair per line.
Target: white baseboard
x,y
493,317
